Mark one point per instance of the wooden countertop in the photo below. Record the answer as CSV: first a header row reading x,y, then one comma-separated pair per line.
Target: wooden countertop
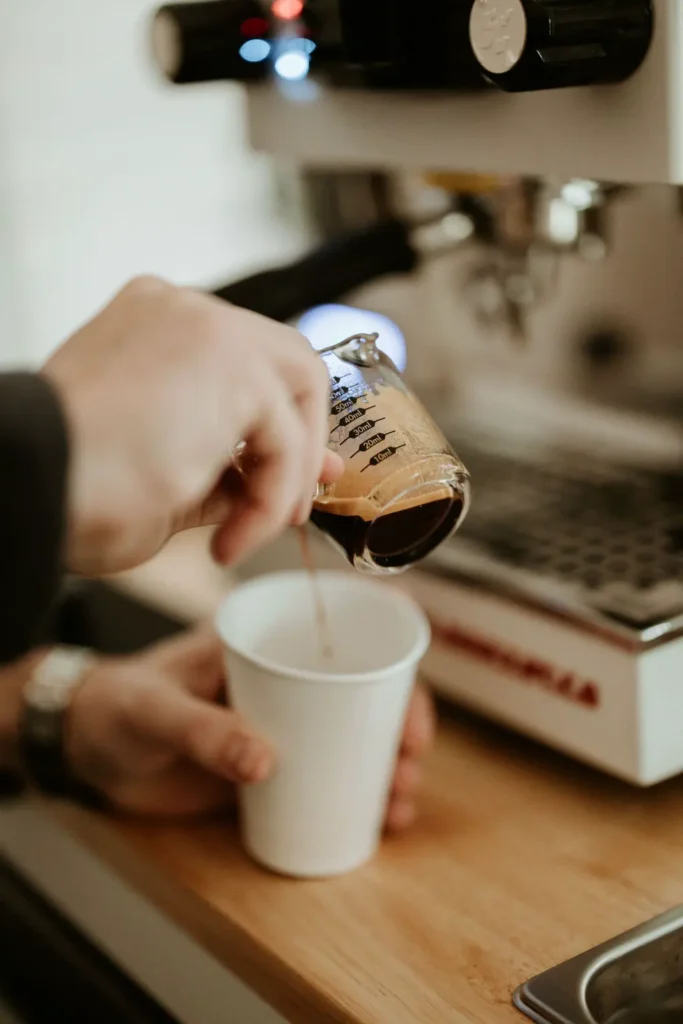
x,y
520,860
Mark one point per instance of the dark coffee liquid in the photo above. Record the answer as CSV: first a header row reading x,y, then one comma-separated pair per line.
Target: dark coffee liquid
x,y
395,540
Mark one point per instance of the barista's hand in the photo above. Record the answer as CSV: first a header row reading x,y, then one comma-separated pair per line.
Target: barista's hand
x,y
159,389
151,734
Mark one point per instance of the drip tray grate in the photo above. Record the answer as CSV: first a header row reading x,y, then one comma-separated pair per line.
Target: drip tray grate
x,y
596,535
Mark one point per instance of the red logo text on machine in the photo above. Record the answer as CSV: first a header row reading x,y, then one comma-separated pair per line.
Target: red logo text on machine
x,y
524,667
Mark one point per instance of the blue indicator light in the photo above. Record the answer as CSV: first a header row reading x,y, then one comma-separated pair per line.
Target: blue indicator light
x,y
255,50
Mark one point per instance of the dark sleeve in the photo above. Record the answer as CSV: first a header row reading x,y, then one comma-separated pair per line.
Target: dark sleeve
x,y
33,483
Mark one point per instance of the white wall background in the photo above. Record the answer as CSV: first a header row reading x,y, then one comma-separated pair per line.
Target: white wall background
x,y
106,171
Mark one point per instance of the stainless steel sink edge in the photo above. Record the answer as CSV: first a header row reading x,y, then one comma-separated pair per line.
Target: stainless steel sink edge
x,y
523,1001
540,1013
559,995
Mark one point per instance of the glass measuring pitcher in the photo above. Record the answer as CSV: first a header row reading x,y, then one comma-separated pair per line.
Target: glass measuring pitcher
x,y
404,490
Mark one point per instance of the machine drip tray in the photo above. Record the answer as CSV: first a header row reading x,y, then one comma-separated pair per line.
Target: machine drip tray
x,y
635,979
580,531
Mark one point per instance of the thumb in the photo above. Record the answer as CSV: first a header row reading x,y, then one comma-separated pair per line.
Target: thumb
x,y
214,737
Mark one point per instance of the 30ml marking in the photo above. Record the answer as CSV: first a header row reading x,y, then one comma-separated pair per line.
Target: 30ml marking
x,y
363,428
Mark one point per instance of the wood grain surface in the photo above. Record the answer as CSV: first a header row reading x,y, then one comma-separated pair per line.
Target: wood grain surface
x,y
520,860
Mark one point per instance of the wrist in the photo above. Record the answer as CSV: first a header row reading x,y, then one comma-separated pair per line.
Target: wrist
x,y
13,681
47,699
94,484
84,744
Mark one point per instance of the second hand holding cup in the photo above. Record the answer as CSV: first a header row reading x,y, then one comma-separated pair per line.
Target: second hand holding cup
x,y
335,723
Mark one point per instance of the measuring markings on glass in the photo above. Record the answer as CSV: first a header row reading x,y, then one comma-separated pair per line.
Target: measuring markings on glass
x,y
382,456
348,403
363,428
346,386
357,414
354,390
372,442
353,394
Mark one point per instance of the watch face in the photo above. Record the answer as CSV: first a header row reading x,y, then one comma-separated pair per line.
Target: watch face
x,y
498,34
56,677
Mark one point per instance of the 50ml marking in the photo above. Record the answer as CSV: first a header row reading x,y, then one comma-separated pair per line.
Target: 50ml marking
x,y
348,403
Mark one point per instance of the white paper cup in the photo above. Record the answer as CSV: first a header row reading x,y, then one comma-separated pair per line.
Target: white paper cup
x,y
335,724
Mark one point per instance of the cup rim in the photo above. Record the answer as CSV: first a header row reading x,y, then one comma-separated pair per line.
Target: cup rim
x,y
391,594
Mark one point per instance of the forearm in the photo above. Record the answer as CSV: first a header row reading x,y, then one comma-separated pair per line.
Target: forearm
x,y
13,679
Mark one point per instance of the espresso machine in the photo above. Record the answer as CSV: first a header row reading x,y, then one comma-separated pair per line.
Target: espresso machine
x,y
502,182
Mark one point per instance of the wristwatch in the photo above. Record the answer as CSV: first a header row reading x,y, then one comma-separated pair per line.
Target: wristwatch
x,y
47,699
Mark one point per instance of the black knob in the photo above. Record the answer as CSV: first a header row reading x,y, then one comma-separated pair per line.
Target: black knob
x,y
211,41
526,45
388,44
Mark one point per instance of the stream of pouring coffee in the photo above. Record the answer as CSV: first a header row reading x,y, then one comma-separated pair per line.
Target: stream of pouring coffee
x,y
321,618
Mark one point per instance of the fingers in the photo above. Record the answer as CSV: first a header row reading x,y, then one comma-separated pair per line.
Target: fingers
x,y
401,810
418,736
332,469
273,482
313,404
305,375
219,741
284,455
401,814
213,737
420,724
220,504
